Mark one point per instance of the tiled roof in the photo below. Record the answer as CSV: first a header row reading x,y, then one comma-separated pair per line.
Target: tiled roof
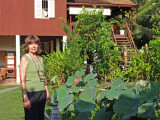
x,y
115,2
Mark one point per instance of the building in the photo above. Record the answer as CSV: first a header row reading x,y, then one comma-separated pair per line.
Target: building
x,y
20,18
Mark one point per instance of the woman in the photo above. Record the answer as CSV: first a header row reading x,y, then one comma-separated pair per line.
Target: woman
x,y
33,82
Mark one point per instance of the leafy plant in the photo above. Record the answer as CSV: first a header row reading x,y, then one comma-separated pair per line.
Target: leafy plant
x,y
22,50
154,49
92,36
59,65
114,101
121,22
139,68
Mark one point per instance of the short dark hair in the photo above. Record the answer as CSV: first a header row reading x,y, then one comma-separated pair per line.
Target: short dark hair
x,y
32,39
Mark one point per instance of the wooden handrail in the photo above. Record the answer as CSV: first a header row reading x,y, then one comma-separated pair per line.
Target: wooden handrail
x,y
130,36
114,37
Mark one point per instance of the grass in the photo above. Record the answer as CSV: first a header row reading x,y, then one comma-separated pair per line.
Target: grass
x,y
11,106
2,87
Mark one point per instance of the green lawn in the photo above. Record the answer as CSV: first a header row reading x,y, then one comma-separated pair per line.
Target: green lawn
x,y
6,86
11,107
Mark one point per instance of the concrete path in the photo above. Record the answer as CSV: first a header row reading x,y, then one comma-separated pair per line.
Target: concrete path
x,y
9,81
8,89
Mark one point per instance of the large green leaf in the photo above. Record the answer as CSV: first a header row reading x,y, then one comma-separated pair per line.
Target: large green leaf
x,y
101,95
71,107
116,83
81,84
89,77
114,93
146,110
149,94
65,102
76,89
84,116
79,73
125,85
62,92
89,94
103,115
93,83
84,106
127,105
70,81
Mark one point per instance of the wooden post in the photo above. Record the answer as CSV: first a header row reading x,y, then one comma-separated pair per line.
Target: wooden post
x,y
135,52
129,19
70,21
125,57
131,22
52,44
146,47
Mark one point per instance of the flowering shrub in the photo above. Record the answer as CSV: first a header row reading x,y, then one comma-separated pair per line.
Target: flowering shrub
x,y
154,49
154,56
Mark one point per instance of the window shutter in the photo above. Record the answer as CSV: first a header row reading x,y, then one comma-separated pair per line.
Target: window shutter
x,y
38,8
51,8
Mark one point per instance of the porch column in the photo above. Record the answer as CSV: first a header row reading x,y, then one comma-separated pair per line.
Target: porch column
x,y
52,46
64,42
17,57
57,44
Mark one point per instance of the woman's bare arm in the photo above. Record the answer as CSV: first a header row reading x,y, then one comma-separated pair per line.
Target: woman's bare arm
x,y
23,70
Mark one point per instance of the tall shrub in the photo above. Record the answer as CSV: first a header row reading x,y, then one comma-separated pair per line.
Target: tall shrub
x,y
93,36
60,65
154,49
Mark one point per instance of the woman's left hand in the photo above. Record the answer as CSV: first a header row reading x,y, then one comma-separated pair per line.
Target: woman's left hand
x,y
48,98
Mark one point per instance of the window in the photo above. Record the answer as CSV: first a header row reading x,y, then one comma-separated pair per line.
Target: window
x,y
44,8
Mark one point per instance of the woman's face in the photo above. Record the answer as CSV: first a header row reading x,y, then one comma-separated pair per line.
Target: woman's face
x,y
33,47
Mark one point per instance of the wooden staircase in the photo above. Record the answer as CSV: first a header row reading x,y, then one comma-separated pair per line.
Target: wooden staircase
x,y
126,46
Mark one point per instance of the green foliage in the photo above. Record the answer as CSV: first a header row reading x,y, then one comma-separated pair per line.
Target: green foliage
x,y
139,68
22,50
102,114
154,50
84,106
92,38
59,65
116,101
65,102
127,104
121,20
142,29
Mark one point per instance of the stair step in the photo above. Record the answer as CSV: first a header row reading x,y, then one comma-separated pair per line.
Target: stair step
x,y
123,43
121,40
120,37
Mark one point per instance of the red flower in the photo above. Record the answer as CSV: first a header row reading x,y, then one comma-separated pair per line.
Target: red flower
x,y
159,65
156,52
153,37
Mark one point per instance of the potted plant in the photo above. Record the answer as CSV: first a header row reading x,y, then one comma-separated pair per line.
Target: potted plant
x,y
121,22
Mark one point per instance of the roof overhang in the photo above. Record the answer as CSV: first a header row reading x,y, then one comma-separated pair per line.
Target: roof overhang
x,y
106,5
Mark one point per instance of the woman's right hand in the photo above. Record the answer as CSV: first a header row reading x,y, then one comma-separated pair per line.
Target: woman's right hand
x,y
27,103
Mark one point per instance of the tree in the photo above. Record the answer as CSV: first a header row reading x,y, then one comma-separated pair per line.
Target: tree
x,y
142,31
94,39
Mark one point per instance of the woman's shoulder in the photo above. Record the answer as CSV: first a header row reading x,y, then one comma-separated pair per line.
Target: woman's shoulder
x,y
24,58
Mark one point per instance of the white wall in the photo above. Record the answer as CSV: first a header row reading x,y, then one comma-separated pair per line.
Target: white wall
x,y
8,43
